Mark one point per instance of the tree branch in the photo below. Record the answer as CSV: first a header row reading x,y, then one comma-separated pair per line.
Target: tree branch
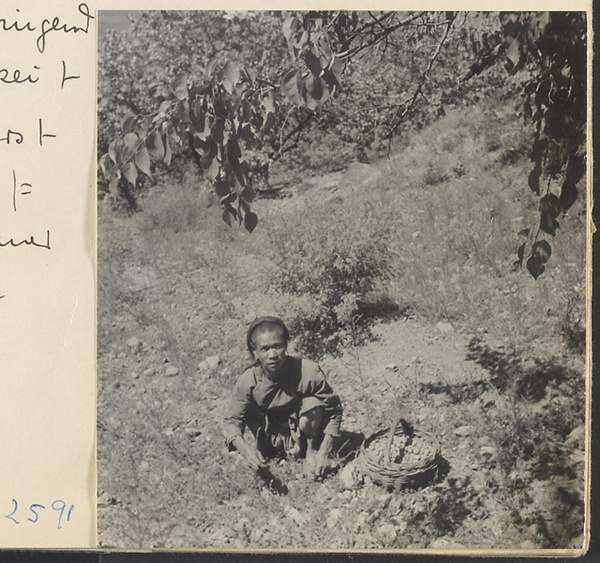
x,y
376,37
419,89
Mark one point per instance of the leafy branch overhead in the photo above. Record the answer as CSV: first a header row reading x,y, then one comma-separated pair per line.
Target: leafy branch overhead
x,y
234,106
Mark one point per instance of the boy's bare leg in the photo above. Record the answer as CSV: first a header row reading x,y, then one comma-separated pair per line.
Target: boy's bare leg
x,y
310,425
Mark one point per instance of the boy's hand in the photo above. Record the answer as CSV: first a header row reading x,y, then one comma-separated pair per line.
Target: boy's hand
x,y
322,462
254,458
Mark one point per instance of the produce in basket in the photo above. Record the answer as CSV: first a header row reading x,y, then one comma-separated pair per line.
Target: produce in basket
x,y
400,456
404,450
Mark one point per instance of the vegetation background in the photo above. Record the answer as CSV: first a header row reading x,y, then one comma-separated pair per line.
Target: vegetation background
x,y
394,267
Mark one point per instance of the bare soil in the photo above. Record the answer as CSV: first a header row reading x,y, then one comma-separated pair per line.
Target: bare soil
x,y
166,479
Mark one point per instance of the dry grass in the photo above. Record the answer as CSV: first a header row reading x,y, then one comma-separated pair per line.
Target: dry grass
x,y
433,229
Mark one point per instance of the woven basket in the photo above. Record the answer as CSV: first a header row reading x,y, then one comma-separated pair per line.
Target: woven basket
x,y
399,475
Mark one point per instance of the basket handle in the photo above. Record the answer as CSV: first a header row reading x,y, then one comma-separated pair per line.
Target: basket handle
x,y
390,438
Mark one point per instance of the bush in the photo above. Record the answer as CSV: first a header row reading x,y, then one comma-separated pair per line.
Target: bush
x,y
336,253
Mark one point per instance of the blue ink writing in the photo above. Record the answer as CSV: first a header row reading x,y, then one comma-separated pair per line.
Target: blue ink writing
x,y
59,506
32,509
35,513
10,516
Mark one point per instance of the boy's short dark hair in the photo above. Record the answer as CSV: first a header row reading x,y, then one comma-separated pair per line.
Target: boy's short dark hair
x,y
265,320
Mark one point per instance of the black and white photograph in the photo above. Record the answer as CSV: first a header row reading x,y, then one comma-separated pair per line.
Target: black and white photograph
x,y
342,264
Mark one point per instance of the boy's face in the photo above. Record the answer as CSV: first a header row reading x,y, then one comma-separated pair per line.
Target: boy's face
x,y
270,349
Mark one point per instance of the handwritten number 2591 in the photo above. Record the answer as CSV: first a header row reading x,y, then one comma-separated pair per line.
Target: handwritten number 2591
x,y
58,506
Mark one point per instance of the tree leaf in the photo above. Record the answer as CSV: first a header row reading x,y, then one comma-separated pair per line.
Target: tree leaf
x,y
226,216
550,204
542,249
216,131
513,54
131,142
268,123
568,194
548,223
269,102
155,145
210,66
248,194
128,124
168,154
542,95
179,86
314,87
288,27
164,108
142,161
222,188
233,148
183,112
575,169
521,254
130,172
112,151
201,146
105,165
231,76
114,184
534,180
210,165
537,151
325,50
239,175
535,266
312,62
289,87
250,221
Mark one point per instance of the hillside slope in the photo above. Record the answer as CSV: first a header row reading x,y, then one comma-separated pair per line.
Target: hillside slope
x,y
452,338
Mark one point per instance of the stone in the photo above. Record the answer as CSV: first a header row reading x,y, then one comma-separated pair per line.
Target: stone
x,y
488,452
577,436
386,532
212,362
392,367
400,524
349,477
192,431
134,344
444,543
463,430
334,516
172,371
149,372
445,328
295,515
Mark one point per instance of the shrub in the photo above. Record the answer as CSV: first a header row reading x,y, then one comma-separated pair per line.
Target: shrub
x,y
335,253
